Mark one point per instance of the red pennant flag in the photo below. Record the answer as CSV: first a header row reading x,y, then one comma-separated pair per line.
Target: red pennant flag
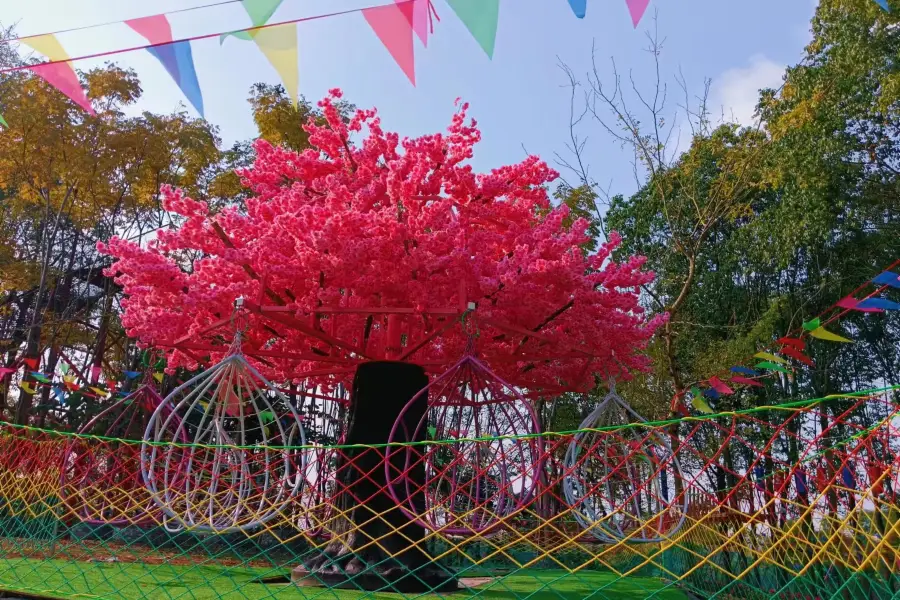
x,y
31,363
421,17
718,385
393,24
797,355
746,381
795,342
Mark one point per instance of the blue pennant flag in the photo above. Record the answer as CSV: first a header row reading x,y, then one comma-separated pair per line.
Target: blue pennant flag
x,y
888,278
745,371
60,395
883,4
579,7
878,303
131,374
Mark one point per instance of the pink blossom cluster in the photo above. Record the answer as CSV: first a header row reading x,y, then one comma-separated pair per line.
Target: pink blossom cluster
x,y
390,222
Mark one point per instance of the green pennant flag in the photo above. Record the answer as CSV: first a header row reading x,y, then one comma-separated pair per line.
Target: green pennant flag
x,y
260,12
699,403
432,432
266,416
64,367
814,324
480,18
3,122
772,367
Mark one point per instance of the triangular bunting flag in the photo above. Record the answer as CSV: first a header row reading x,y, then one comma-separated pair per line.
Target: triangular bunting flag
x,y
131,374
421,10
888,278
40,377
746,381
4,371
810,325
878,304
158,377
793,342
770,357
480,18
60,395
711,393
175,57
700,404
770,366
745,371
98,391
823,334
27,388
393,24
279,44
719,385
851,303
96,370
883,4
3,122
797,355
31,363
60,75
579,7
64,367
637,8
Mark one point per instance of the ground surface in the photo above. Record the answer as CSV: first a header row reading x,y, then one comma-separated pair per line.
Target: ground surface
x,y
69,579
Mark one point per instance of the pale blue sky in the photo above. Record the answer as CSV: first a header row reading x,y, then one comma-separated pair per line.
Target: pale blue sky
x,y
517,97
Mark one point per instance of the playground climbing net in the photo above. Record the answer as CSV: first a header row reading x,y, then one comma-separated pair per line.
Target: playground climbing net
x,y
793,501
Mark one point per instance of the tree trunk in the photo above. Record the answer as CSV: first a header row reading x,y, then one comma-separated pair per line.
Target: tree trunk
x,y
376,546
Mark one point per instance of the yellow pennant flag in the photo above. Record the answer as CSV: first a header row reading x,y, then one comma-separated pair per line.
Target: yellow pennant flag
x,y
279,44
27,388
823,334
60,75
701,405
99,392
770,357
158,377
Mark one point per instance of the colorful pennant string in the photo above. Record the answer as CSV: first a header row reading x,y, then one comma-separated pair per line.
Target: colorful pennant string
x,y
823,334
60,75
393,24
176,57
480,17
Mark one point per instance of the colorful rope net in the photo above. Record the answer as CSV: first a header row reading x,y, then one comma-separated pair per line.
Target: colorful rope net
x,y
794,501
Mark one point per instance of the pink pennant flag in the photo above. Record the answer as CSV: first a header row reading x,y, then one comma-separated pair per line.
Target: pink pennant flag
x,y
95,373
60,75
851,303
393,24
746,381
637,8
719,385
4,371
421,10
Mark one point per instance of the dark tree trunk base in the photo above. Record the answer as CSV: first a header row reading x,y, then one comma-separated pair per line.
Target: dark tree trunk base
x,y
375,546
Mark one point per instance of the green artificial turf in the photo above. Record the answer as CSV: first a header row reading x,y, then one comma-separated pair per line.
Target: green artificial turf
x,y
69,579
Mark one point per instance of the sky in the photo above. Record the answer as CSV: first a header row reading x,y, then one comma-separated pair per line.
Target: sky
x,y
519,98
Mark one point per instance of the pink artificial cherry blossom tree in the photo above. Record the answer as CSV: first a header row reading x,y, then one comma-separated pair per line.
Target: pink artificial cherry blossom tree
x,y
365,250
